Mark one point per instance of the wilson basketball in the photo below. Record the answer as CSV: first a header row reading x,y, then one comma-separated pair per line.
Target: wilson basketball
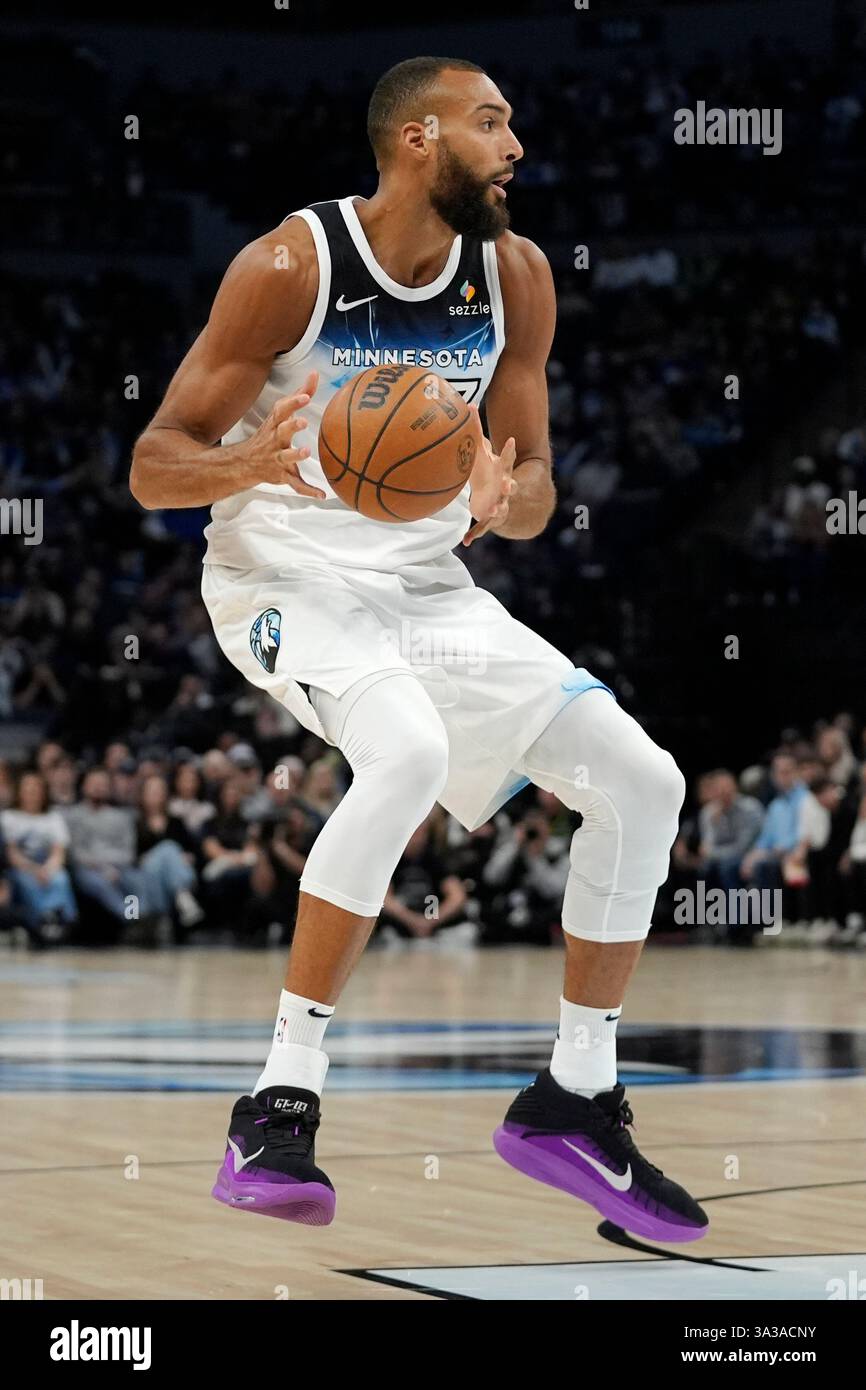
x,y
398,443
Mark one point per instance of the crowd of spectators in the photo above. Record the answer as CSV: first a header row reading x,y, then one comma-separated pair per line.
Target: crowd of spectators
x,y
166,845
794,829
165,841
222,135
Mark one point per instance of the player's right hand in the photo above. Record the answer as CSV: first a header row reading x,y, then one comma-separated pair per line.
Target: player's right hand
x,y
270,450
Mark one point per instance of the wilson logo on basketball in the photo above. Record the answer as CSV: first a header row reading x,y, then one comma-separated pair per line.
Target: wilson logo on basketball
x,y
376,391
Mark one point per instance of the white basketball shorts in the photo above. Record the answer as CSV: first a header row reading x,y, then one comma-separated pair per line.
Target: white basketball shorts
x,y
495,683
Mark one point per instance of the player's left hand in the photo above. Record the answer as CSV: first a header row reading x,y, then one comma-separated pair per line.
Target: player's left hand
x,y
492,488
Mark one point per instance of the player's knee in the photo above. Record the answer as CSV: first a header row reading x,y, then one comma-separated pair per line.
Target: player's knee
x,y
418,768
663,787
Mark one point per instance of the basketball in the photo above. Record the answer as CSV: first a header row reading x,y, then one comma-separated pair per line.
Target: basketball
x,y
398,443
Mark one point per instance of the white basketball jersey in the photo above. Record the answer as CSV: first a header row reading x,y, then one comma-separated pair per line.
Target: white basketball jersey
x,y
363,318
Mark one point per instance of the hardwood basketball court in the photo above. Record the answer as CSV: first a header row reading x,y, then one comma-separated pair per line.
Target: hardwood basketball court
x,y
118,1071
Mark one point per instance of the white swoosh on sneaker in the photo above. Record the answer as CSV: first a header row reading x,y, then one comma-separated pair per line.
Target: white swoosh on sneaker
x,y
620,1181
342,304
240,1161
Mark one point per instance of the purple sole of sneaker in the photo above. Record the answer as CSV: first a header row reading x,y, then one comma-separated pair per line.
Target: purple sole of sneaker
x,y
310,1203
569,1177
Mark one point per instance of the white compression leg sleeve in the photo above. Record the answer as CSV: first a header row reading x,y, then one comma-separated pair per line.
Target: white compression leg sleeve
x,y
599,761
396,745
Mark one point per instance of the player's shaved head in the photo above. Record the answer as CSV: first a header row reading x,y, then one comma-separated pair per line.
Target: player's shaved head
x,y
402,94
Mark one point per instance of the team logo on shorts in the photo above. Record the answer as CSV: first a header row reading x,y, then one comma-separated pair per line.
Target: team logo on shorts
x,y
265,638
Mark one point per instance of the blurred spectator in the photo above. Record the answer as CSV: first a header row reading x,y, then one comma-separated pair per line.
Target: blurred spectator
x,y
834,751
729,824
780,832
126,779
62,782
116,756
230,848
286,840
165,851
48,757
215,771
36,841
321,790
467,852
186,803
686,854
826,824
527,872
424,895
255,800
102,845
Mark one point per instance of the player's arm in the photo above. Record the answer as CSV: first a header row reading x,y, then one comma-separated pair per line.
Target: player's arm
x,y
516,400
262,308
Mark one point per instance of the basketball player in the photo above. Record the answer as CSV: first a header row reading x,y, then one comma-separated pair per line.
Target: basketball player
x,y
312,602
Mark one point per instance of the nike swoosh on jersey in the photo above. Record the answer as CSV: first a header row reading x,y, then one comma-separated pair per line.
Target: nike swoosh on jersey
x,y
620,1181
342,305
240,1161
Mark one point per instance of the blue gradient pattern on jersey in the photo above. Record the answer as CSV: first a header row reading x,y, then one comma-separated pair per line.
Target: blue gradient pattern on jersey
x,y
468,351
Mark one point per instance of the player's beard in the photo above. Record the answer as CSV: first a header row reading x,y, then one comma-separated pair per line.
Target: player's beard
x,y
462,200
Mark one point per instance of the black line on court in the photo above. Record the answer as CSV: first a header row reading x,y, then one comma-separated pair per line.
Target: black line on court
x,y
617,1236
665,1254
795,1187
628,1241
609,1231
441,1294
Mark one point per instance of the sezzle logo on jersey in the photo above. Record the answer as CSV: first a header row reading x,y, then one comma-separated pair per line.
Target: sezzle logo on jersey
x,y
468,292
469,308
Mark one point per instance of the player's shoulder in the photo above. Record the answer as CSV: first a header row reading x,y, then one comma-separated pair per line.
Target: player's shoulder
x,y
526,282
270,288
520,260
287,250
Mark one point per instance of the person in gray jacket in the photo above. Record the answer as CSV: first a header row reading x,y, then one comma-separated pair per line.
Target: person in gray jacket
x,y
729,824
102,848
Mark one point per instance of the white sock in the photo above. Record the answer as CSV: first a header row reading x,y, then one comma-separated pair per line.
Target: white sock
x,y
296,1057
584,1054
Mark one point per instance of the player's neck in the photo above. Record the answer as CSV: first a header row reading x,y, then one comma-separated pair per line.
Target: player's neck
x,y
408,239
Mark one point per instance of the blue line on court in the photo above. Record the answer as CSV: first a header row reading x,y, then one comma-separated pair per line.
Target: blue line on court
x,y
28,1078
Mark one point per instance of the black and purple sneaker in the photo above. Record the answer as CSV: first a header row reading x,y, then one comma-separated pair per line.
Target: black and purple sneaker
x,y
583,1147
269,1165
